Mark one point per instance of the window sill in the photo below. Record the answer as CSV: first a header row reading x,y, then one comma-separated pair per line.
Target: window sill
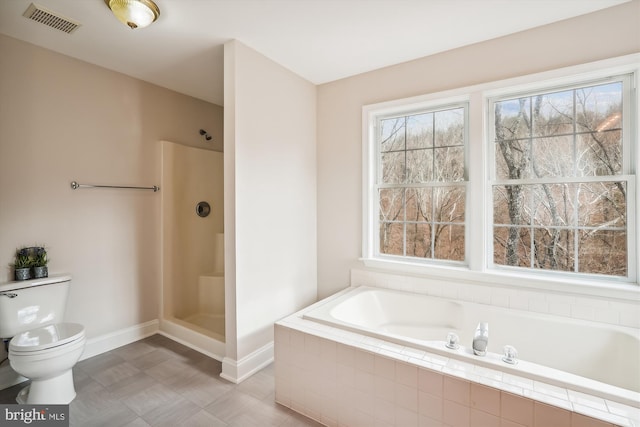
x,y
625,291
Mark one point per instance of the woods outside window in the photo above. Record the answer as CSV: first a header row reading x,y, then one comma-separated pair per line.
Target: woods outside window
x,y
421,184
561,179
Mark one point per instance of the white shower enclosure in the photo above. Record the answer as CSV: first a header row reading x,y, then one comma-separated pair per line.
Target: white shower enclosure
x,y
193,247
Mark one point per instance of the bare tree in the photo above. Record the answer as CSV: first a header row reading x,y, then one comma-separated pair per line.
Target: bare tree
x,y
516,157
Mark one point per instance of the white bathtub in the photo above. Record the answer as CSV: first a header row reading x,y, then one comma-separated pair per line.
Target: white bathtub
x,y
601,360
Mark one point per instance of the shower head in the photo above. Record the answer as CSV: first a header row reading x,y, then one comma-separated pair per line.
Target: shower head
x,y
205,134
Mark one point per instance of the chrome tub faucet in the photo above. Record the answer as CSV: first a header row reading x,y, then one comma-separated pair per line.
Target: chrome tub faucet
x,y
481,339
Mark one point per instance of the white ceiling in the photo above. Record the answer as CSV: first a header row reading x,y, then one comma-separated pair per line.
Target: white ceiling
x,y
321,40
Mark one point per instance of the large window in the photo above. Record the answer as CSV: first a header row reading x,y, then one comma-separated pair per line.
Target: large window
x,y
531,178
421,184
561,179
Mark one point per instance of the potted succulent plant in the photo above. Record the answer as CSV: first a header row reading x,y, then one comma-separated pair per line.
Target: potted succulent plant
x,y
22,264
40,261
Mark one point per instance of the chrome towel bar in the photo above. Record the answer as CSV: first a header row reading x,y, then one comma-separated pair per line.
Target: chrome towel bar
x,y
75,186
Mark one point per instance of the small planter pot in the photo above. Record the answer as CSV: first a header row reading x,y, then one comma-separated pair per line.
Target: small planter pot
x,y
23,273
40,272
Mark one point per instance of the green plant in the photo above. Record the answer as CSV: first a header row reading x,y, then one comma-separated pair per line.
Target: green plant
x,y
40,257
23,258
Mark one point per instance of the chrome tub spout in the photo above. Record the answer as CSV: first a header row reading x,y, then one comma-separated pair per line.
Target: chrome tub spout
x,y
481,339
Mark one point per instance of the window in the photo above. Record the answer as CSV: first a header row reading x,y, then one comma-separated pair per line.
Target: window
x,y
420,184
561,178
529,181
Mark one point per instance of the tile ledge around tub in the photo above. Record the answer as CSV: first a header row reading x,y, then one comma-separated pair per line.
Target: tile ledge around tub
x,y
525,387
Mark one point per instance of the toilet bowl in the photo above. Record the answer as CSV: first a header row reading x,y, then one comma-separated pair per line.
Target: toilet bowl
x,y
42,347
46,355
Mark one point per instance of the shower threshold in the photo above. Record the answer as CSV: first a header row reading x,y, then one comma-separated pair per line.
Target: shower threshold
x,y
190,334
211,322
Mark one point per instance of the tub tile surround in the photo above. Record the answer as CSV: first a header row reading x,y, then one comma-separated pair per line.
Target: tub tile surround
x,y
340,391
342,378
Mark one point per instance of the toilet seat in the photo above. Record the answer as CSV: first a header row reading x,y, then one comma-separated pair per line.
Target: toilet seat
x,y
46,338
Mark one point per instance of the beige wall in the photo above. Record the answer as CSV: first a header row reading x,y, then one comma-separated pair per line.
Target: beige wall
x,y
270,199
609,33
61,120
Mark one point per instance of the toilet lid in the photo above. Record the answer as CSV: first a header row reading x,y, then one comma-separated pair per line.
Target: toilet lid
x,y
46,337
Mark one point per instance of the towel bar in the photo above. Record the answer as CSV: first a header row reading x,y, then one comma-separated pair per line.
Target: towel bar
x,y
75,186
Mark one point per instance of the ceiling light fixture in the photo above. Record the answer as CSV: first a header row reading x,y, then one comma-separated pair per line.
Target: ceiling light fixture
x,y
134,13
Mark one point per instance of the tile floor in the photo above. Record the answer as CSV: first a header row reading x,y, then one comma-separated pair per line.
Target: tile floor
x,y
158,382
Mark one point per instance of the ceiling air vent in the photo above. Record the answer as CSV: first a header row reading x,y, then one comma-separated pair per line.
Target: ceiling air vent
x,y
40,14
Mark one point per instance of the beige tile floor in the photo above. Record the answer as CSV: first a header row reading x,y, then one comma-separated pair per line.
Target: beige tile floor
x,y
158,382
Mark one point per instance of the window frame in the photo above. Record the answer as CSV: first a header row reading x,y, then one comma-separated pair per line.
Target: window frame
x,y
372,170
379,185
478,266
627,174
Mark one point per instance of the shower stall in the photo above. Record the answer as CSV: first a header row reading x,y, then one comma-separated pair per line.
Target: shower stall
x,y
193,247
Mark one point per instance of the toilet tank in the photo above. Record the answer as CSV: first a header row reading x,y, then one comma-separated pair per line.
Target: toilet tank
x,y
30,304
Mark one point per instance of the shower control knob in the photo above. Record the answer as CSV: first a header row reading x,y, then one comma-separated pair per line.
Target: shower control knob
x,y
203,209
453,341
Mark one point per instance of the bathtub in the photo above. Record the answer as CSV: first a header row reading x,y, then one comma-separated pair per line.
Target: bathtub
x,y
368,356
602,360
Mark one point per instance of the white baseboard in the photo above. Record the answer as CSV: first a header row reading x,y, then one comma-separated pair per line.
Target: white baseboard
x,y
237,371
112,340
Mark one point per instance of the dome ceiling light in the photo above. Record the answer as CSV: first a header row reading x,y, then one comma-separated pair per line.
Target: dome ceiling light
x,y
134,13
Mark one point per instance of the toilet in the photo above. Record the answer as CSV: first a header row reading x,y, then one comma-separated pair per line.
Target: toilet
x,y
43,348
